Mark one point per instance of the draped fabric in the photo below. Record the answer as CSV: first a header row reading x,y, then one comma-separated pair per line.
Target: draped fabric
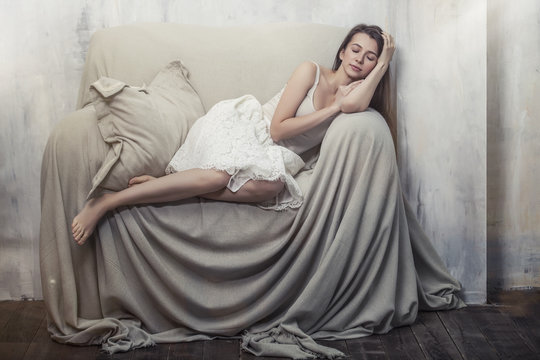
x,y
350,262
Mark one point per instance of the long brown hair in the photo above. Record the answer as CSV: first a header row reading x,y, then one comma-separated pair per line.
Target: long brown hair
x,y
382,99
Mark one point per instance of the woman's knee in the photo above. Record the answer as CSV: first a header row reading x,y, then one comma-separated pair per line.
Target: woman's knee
x,y
264,190
215,179
365,125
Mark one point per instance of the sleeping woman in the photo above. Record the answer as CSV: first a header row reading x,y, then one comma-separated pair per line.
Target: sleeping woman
x,y
241,151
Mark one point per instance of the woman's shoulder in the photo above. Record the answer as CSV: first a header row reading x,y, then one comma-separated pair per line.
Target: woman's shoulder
x,y
310,68
307,68
325,72
305,73
312,65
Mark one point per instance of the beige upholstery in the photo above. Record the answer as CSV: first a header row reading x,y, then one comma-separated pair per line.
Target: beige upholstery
x,y
221,67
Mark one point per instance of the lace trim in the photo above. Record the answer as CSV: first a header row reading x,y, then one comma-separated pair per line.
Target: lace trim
x,y
234,137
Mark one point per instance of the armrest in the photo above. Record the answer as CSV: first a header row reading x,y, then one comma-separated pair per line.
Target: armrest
x,y
75,150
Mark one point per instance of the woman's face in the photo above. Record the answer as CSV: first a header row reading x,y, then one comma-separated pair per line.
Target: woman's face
x,y
360,56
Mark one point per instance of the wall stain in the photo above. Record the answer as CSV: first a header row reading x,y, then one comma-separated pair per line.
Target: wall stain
x,y
83,33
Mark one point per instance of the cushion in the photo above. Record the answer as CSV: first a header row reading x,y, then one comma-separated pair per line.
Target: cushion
x,y
144,126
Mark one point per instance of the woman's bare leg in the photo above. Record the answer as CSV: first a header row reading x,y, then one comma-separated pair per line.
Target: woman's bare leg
x,y
177,186
251,192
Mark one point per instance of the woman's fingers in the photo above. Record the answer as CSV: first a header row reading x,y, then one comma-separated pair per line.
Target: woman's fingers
x,y
389,47
388,39
140,179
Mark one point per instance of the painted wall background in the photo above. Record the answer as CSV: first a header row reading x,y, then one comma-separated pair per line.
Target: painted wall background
x,y
441,107
513,157
440,69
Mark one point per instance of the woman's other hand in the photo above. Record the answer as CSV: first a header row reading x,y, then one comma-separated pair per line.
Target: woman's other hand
x,y
352,86
139,180
339,96
344,91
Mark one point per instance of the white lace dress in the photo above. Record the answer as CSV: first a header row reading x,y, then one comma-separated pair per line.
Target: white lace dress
x,y
234,136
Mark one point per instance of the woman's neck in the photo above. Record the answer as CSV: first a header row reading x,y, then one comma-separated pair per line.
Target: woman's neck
x,y
338,78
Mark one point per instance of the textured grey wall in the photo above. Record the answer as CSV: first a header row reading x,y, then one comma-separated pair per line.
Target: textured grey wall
x,y
514,144
441,82
441,87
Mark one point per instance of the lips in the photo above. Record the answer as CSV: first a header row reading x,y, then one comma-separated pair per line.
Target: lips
x,y
355,68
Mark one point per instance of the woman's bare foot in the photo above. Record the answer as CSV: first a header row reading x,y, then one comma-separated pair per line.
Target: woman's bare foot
x,y
85,222
140,179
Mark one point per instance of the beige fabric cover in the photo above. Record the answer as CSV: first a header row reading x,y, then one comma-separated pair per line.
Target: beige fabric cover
x,y
352,261
144,125
224,63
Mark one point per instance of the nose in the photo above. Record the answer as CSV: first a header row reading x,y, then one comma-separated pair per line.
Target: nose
x,y
360,59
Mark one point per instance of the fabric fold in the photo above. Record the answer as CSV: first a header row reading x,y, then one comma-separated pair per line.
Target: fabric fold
x,y
350,262
287,341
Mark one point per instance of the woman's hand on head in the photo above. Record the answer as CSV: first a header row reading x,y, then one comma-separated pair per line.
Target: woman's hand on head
x,y
388,49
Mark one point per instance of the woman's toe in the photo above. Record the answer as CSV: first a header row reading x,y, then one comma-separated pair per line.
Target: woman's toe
x,y
78,234
82,240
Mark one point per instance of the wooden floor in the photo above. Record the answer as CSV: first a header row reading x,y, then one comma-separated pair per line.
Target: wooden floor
x,y
507,329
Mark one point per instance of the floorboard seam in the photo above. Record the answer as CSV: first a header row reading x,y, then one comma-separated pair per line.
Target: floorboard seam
x,y
418,341
450,335
486,337
518,330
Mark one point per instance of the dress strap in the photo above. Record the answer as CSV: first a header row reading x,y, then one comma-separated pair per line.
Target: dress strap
x,y
315,83
317,75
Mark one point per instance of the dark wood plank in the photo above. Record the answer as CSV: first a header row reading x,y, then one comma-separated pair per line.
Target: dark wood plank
x,y
221,349
24,323
433,338
247,356
43,347
369,347
186,351
21,328
502,333
7,310
475,332
522,307
527,322
466,334
157,352
401,344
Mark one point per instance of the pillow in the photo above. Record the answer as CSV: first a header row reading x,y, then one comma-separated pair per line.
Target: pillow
x,y
144,126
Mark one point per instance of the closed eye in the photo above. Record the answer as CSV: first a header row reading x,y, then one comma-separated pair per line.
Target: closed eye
x,y
357,47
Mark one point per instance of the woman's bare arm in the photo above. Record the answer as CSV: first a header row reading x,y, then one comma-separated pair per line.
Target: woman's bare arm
x,y
284,123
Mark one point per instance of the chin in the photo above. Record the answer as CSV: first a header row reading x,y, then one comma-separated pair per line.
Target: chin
x,y
356,77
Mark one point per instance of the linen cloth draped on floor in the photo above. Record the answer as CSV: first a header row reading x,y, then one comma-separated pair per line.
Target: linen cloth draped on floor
x,y
352,261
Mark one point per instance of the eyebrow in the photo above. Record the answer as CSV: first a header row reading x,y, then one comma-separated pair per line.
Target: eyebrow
x,y
374,53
